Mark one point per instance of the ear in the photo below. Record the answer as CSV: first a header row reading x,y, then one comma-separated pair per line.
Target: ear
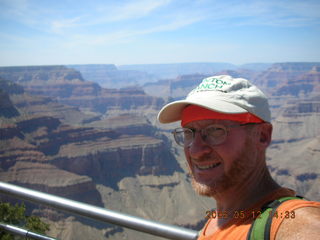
x,y
265,134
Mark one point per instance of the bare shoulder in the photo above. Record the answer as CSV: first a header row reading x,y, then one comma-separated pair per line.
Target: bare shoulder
x,y
305,225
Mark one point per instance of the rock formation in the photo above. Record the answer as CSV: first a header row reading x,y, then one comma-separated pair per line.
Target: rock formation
x,y
109,76
45,153
73,138
68,87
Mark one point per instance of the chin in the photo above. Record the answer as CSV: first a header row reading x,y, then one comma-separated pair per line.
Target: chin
x,y
206,190
203,190
215,187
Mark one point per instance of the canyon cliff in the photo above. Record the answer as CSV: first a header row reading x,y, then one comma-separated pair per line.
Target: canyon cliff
x,y
65,135
55,148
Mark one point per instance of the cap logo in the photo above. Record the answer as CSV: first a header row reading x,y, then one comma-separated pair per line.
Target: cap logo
x,y
211,83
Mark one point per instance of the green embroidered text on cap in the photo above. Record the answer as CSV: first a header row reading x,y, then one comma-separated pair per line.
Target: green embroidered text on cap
x,y
211,83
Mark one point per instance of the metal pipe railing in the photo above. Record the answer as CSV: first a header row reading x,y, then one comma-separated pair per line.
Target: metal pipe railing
x,y
23,232
100,214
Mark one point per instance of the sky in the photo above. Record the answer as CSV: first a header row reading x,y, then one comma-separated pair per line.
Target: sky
x,y
47,32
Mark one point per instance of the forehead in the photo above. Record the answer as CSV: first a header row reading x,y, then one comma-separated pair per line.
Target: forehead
x,y
204,123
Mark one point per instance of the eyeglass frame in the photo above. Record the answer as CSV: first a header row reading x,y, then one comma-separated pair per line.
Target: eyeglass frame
x,y
225,128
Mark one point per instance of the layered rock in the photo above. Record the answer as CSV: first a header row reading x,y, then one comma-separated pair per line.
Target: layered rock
x,y
126,123
10,87
121,159
295,164
164,71
108,162
23,162
6,105
7,108
294,153
174,88
280,73
297,120
109,99
45,177
63,89
45,106
68,87
109,76
43,74
99,154
306,84
49,144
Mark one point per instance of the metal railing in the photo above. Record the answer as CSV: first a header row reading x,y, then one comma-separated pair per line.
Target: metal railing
x,y
23,232
99,214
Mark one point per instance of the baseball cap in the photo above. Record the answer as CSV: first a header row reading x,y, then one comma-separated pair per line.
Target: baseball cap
x,y
222,94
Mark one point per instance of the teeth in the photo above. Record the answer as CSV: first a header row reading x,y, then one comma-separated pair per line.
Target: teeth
x,y
208,166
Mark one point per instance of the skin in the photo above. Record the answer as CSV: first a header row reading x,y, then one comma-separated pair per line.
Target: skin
x,y
241,177
304,226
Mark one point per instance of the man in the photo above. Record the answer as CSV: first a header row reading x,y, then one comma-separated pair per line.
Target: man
x,y
226,129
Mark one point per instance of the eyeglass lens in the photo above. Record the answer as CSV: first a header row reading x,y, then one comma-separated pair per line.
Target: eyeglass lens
x,y
212,135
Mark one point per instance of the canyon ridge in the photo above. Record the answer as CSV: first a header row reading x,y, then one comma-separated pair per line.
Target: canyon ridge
x,y
89,133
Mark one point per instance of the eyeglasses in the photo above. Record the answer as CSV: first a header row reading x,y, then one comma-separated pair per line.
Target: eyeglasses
x,y
213,135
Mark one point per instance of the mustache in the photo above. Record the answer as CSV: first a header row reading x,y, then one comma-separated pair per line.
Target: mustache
x,y
210,157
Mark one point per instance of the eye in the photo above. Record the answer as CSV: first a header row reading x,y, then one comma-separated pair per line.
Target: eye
x,y
215,131
188,134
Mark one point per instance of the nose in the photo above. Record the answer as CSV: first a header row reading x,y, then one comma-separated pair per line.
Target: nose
x,y
199,147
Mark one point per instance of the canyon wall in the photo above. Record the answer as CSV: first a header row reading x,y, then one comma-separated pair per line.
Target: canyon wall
x,y
65,135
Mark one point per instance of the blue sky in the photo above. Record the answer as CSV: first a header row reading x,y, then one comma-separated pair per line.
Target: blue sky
x,y
46,32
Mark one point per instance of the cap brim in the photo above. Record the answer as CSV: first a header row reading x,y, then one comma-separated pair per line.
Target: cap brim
x,y
172,111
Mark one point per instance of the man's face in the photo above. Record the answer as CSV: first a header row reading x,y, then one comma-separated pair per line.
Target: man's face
x,y
215,169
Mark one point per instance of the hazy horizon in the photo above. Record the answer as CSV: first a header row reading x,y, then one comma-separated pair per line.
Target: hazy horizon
x,y
119,65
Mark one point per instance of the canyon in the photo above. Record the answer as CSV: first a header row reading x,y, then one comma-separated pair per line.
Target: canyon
x,y
79,139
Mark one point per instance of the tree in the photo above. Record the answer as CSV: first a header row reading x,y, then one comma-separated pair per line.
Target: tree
x,y
15,215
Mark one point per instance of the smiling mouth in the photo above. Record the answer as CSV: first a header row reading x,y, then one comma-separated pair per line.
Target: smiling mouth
x,y
205,167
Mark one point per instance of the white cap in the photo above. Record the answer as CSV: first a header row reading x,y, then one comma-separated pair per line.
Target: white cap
x,y
223,94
